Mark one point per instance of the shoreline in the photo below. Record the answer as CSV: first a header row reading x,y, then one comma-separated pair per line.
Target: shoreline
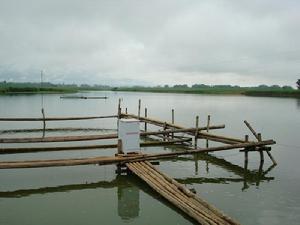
x,y
206,91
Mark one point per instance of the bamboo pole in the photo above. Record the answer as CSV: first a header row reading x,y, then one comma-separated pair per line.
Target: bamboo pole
x,y
165,128
251,129
113,160
146,114
139,109
246,138
261,153
58,139
208,123
271,157
84,147
173,120
56,118
258,137
218,138
119,109
196,131
161,123
44,122
86,137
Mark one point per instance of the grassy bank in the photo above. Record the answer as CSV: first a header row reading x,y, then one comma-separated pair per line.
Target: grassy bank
x,y
248,91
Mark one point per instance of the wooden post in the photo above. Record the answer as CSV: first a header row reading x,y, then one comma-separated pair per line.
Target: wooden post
x,y
251,129
173,120
139,108
246,138
44,122
261,151
146,114
165,127
258,137
271,157
246,158
172,116
119,113
197,131
119,109
208,123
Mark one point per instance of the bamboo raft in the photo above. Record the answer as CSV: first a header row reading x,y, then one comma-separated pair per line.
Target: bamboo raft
x,y
84,97
137,162
179,195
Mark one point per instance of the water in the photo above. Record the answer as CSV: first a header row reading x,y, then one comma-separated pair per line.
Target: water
x,y
95,194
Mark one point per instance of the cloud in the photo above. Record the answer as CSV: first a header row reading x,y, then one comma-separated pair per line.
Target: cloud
x,y
150,42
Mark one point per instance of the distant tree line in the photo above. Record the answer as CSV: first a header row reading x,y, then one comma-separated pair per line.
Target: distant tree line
x,y
44,85
204,86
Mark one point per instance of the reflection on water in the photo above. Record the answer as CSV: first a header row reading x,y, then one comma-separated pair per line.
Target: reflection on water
x,y
298,102
128,190
245,176
128,202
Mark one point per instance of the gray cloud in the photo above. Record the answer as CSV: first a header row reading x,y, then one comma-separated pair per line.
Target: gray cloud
x,y
150,42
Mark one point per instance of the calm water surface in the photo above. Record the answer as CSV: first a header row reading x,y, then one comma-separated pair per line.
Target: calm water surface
x,y
96,195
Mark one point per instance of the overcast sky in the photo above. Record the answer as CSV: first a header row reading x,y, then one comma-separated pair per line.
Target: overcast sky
x,y
151,42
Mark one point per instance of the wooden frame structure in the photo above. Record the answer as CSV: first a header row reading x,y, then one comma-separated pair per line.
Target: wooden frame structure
x,y
171,134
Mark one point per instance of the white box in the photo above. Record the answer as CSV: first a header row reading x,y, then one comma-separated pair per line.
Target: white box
x,y
129,133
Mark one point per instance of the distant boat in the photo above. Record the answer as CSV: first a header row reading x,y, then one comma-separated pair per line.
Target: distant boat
x,y
85,97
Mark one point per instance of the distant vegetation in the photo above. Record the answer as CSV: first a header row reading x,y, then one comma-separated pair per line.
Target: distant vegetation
x,y
261,90
14,88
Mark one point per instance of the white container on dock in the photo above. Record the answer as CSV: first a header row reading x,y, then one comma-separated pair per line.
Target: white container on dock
x,y
129,133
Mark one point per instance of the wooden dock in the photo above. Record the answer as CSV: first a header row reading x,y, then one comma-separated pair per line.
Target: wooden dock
x,y
179,196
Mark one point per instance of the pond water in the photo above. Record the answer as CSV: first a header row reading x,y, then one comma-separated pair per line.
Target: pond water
x,y
96,194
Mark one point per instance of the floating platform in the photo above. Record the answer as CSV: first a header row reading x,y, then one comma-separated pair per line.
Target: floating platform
x,y
85,97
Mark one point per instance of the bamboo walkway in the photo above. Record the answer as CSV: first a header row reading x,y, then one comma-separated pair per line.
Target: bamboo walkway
x,y
180,196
